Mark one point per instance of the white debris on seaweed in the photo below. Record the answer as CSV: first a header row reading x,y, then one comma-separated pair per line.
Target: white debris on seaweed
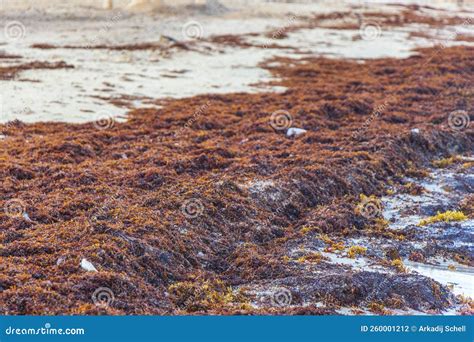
x,y
88,266
293,131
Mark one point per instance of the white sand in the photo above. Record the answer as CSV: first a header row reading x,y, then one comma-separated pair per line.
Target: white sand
x,y
77,95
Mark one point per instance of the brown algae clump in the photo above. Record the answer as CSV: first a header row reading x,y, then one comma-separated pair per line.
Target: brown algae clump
x,y
116,195
204,296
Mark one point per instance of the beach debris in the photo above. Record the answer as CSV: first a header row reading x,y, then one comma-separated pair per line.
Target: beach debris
x,y
87,265
293,131
27,217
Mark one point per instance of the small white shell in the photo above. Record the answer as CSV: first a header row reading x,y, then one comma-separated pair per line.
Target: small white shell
x,y
293,131
87,265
